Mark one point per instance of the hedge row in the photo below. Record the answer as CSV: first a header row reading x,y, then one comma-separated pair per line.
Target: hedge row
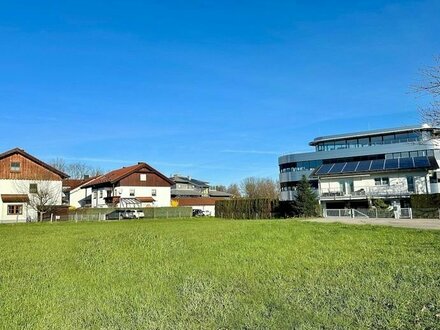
x,y
425,201
246,208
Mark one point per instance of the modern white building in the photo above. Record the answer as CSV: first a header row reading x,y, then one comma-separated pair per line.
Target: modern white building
x,y
27,185
134,186
352,170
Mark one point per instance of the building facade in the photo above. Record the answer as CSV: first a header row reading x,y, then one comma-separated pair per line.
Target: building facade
x,y
352,170
27,185
74,195
134,186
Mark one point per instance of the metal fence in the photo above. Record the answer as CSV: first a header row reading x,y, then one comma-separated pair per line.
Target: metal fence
x,y
402,213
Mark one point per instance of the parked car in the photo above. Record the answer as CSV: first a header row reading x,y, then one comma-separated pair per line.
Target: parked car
x,y
197,213
125,214
207,213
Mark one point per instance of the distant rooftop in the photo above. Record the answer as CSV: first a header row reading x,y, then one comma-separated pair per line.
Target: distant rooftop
x,y
371,132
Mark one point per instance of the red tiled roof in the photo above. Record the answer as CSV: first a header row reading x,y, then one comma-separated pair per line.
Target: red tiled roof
x,y
70,184
194,201
14,198
116,175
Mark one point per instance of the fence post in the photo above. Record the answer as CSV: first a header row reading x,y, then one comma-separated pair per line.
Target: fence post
x,y
76,217
51,217
376,212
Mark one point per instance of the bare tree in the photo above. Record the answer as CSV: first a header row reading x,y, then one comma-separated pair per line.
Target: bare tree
x,y
44,194
234,190
77,170
220,188
45,198
430,86
253,187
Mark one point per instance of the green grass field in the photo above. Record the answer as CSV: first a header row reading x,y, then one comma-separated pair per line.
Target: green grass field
x,y
208,273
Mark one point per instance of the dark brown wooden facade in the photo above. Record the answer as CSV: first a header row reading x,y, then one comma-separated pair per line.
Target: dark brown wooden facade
x,y
152,180
28,169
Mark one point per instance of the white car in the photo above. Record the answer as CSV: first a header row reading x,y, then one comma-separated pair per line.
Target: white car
x,y
206,213
132,214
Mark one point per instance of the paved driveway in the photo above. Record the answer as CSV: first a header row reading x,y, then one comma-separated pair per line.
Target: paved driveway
x,y
406,223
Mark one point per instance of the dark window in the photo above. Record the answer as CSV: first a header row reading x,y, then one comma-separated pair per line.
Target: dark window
x,y
352,143
153,192
15,209
33,188
15,167
389,138
340,144
376,140
364,142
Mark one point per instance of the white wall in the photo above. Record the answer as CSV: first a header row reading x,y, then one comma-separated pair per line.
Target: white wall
x,y
77,195
162,198
22,187
397,182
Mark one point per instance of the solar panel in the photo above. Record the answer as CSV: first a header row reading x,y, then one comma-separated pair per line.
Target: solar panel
x,y
324,169
406,163
337,168
392,164
350,167
377,164
421,162
363,166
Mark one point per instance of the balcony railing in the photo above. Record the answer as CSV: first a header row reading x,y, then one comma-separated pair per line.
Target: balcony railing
x,y
359,192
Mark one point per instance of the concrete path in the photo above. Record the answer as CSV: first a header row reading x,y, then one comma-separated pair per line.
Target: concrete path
x,y
406,223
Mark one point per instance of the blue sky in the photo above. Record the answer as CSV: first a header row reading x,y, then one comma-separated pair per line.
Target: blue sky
x,y
212,89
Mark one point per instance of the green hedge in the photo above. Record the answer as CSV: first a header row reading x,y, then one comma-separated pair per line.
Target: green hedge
x,y
425,201
246,208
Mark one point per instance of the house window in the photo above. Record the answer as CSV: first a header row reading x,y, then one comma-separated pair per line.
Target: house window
x,y
15,166
153,192
101,193
143,177
33,188
381,181
132,192
15,209
95,194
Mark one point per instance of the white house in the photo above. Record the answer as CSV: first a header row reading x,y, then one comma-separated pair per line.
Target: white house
x,y
134,186
74,195
27,184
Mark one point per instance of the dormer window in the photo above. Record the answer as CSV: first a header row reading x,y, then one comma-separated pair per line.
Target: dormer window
x,y
15,167
143,177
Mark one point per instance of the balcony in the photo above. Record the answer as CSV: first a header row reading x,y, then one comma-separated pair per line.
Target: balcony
x,y
365,192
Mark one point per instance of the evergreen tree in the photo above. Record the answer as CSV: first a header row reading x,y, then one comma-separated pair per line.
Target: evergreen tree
x,y
306,200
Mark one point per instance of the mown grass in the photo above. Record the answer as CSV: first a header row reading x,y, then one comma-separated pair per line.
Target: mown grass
x,y
207,273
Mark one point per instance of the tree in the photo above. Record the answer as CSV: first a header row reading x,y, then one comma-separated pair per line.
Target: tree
x,y
45,198
430,86
253,187
221,188
77,170
306,200
44,194
234,190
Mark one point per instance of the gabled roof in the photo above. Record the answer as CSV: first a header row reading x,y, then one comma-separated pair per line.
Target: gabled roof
x,y
70,184
34,159
121,173
188,179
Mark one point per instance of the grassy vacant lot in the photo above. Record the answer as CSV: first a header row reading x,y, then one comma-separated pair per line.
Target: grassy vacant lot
x,y
207,273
